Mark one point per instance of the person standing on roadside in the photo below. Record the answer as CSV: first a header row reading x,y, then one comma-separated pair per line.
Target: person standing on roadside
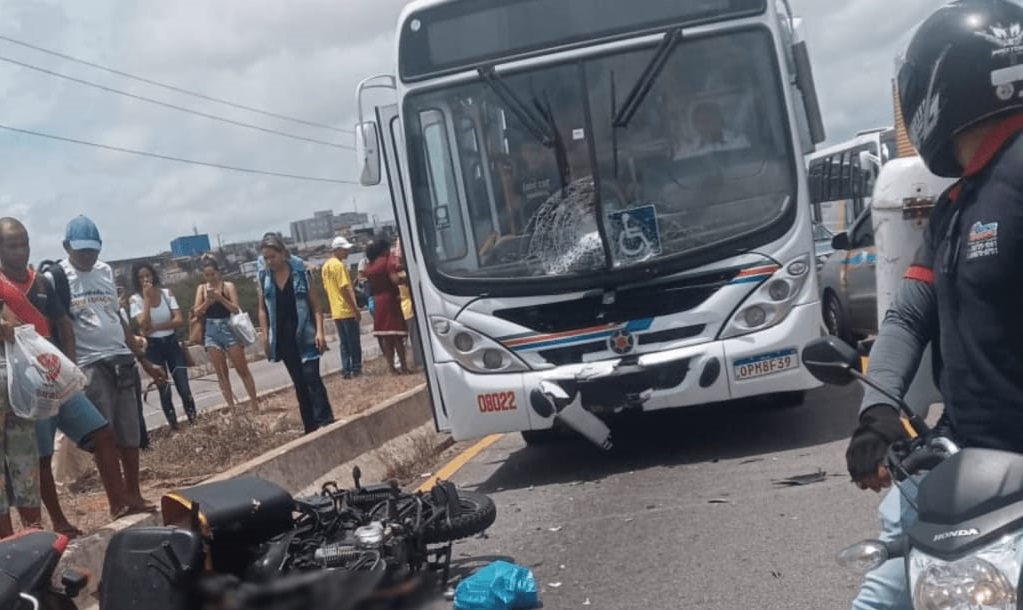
x,y
31,299
344,309
156,311
291,316
216,301
19,481
105,347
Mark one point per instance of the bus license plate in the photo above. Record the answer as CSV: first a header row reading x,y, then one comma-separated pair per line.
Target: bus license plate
x,y
766,364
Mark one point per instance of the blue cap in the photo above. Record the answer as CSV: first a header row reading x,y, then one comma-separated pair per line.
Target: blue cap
x,y
82,234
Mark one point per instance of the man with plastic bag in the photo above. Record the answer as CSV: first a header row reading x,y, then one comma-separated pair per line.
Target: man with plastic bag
x,y
19,481
31,300
104,346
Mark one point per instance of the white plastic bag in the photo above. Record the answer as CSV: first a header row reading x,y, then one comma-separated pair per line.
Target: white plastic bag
x,y
242,326
40,378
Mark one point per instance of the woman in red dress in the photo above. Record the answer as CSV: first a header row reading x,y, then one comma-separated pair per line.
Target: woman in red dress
x,y
388,322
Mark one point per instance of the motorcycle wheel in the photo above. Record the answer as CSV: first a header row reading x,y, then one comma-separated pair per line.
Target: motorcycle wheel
x,y
477,514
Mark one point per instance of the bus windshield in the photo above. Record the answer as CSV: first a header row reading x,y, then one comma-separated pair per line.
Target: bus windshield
x,y
704,162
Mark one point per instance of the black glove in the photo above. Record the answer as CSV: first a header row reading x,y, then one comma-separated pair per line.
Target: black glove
x,y
880,426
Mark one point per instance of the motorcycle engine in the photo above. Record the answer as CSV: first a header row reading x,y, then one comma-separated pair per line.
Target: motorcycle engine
x,y
371,540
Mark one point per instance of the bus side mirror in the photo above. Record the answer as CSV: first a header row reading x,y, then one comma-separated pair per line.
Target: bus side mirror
x,y
869,161
367,150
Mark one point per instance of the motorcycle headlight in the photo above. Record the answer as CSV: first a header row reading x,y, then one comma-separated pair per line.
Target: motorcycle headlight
x,y
985,580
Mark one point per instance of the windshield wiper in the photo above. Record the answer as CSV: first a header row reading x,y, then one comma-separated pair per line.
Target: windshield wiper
x,y
646,80
538,127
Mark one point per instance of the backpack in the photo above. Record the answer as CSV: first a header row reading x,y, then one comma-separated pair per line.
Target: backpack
x,y
60,284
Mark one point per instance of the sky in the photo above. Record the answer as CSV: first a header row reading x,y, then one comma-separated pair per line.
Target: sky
x,y
302,59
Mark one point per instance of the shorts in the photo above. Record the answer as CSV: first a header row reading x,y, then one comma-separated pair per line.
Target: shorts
x,y
18,447
78,419
111,387
219,334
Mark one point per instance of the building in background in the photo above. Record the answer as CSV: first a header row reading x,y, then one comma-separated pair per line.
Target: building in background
x,y
325,225
190,245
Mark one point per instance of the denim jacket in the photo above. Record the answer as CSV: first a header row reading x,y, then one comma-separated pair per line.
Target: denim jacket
x,y
306,328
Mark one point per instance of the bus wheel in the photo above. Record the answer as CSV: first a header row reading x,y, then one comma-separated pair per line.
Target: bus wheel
x,y
787,400
834,317
537,438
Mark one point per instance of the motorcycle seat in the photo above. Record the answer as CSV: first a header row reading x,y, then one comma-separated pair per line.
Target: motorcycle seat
x,y
29,558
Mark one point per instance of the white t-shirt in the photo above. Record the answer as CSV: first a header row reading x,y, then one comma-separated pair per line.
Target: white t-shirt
x,y
160,314
96,311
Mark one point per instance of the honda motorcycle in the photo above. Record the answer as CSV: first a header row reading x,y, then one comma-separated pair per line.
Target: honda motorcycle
x,y
247,543
965,552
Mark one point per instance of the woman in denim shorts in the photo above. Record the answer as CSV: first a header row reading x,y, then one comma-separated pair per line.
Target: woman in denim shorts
x,y
216,301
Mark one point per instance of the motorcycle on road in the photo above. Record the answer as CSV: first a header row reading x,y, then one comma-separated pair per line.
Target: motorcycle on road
x,y
965,551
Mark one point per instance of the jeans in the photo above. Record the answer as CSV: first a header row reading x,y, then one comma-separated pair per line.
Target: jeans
x,y
886,587
350,340
165,352
313,404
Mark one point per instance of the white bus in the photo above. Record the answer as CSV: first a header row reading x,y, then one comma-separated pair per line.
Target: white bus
x,y
841,177
603,205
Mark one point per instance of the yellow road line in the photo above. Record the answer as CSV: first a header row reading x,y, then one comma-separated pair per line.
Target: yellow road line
x,y
460,460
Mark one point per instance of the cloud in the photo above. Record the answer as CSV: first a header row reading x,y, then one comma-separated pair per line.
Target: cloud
x,y
301,58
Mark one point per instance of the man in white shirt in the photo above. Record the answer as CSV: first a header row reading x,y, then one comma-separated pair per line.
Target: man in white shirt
x,y
105,347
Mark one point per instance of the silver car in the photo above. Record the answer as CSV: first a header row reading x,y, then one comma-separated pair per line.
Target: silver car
x,y
847,279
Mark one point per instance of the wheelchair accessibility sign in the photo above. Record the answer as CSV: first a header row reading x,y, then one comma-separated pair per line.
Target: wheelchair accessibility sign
x,y
634,234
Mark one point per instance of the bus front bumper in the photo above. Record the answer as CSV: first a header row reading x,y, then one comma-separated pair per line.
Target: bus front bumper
x,y
578,395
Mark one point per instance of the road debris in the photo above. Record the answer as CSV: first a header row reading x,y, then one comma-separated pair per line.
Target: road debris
x,y
803,479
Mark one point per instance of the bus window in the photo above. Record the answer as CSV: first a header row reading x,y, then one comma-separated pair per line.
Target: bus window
x,y
447,214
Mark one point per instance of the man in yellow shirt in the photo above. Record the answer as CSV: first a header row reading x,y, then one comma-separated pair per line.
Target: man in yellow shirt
x,y
343,308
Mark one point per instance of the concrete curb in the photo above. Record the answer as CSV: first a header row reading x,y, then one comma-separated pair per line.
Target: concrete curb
x,y
296,466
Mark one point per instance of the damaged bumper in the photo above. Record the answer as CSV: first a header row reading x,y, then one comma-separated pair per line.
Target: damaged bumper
x,y
579,396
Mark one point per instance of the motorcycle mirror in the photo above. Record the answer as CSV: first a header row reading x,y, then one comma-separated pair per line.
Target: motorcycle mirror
x,y
832,360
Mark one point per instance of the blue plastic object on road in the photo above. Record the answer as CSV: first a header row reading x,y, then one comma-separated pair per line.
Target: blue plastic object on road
x,y
499,586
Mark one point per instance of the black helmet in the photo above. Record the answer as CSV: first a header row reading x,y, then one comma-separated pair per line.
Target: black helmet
x,y
963,65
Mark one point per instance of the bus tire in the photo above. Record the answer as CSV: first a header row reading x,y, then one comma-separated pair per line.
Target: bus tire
x,y
538,438
787,400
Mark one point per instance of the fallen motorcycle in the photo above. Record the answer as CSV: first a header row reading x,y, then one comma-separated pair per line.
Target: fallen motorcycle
x,y
965,551
28,561
246,542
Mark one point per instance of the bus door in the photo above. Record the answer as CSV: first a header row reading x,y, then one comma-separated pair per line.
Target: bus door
x,y
393,140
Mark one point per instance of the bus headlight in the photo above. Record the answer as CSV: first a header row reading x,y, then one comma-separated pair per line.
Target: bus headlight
x,y
771,302
473,350
983,579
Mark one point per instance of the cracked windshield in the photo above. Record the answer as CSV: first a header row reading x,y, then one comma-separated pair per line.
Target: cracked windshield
x,y
603,163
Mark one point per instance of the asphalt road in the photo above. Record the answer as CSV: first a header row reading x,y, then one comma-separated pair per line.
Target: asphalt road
x,y
686,512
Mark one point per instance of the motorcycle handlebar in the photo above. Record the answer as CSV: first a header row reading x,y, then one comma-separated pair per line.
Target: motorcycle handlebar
x,y
924,458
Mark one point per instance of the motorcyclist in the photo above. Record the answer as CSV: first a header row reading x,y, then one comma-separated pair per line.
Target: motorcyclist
x,y
961,92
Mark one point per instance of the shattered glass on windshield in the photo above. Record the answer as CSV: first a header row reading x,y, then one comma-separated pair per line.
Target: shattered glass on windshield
x,y
528,174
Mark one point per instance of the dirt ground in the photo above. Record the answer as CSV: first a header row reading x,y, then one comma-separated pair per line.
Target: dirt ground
x,y
227,437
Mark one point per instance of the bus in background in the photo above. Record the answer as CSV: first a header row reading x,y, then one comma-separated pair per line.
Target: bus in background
x,y
841,177
605,205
